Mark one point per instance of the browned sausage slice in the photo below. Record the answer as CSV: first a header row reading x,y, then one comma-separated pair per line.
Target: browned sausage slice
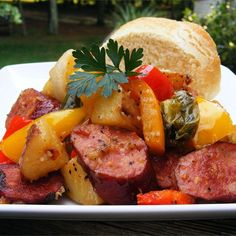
x,y
165,170
32,104
116,161
14,189
209,173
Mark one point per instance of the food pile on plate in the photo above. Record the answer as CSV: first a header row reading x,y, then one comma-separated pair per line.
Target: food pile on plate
x,y
130,122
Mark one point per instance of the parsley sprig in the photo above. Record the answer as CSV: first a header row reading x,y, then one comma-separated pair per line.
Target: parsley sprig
x,y
97,74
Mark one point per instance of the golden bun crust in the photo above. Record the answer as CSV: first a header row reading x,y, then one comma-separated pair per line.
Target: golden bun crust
x,y
175,46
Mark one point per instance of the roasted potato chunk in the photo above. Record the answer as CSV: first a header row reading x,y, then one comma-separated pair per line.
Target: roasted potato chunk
x,y
43,151
78,185
56,86
109,111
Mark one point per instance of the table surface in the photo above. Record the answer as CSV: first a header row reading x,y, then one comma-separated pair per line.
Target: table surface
x,y
58,227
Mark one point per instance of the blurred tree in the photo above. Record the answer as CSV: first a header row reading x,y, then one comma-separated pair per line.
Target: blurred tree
x,y
101,6
53,17
18,2
12,14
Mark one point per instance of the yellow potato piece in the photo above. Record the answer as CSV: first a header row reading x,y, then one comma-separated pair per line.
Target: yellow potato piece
x,y
88,103
108,111
78,185
56,86
215,123
43,153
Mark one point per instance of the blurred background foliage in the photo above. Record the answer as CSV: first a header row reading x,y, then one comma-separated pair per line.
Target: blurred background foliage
x,y
49,27
10,13
125,11
221,25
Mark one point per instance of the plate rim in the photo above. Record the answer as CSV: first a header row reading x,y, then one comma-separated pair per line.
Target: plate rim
x,y
119,212
122,212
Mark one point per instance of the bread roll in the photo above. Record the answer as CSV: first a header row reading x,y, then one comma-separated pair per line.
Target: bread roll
x,y
175,46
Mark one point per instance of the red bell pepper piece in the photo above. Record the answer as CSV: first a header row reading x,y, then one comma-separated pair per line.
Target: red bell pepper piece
x,y
4,159
158,81
16,123
73,153
164,197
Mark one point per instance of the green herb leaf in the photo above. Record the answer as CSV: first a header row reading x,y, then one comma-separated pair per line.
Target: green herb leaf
x,y
115,53
83,83
93,60
72,101
132,60
97,74
110,82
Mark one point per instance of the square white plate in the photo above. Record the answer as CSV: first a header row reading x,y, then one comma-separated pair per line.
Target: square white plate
x,y
15,78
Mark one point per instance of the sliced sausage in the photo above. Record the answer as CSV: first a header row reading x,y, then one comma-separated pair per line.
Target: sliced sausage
x,y
209,173
116,162
14,189
32,104
164,168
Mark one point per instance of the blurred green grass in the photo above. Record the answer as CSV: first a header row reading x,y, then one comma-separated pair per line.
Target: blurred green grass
x,y
38,46
23,50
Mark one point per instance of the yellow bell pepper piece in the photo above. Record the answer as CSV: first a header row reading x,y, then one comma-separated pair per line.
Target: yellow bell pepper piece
x,y
62,122
153,128
215,123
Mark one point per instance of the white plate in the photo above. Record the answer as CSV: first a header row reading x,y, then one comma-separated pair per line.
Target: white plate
x,y
15,78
